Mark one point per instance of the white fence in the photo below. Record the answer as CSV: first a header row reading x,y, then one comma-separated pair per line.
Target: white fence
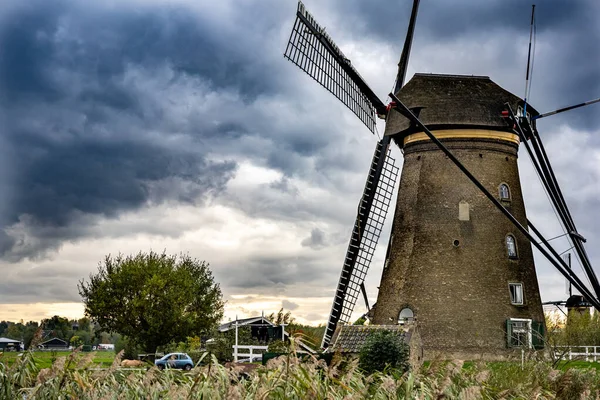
x,y
251,356
587,353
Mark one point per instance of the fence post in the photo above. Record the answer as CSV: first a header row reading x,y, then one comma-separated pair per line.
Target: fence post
x,y
586,354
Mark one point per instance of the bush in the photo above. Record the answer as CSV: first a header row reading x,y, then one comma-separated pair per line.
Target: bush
x,y
384,349
130,351
278,346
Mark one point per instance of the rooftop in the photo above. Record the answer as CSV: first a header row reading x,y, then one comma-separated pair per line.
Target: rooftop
x,y
453,101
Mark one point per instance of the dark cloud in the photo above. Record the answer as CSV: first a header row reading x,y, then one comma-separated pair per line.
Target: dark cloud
x,y
110,109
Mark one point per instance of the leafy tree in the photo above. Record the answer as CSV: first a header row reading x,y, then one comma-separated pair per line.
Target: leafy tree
x,y
152,298
76,341
384,349
3,327
61,327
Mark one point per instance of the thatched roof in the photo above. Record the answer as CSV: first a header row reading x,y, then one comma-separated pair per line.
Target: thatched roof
x,y
453,101
351,338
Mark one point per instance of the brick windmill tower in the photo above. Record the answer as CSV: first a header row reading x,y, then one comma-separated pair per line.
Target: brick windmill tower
x,y
459,260
455,263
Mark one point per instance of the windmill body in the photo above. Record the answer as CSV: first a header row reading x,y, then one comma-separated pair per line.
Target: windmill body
x,y
459,259
451,264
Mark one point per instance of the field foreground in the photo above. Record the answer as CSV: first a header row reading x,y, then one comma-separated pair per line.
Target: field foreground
x,y
78,376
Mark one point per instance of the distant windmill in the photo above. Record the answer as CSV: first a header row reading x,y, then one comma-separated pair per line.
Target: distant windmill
x,y
459,258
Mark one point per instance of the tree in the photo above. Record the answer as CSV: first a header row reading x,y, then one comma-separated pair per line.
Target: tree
x,y
152,298
60,327
383,349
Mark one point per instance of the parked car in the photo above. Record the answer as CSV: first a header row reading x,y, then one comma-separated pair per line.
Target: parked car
x,y
175,360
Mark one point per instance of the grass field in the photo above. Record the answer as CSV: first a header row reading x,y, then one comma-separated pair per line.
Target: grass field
x,y
289,377
44,359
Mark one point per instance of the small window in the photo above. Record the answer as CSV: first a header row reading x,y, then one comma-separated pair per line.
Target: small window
x,y
516,293
519,333
511,246
504,192
406,316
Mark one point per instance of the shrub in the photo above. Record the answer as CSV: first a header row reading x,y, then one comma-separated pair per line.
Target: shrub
x,y
384,349
278,346
130,350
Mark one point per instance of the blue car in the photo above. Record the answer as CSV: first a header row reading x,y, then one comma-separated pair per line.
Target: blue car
x,y
175,360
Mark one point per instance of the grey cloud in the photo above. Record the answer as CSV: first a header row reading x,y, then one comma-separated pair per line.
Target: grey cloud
x,y
316,240
109,110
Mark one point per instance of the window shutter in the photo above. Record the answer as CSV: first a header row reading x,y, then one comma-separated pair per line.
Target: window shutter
x,y
537,334
508,333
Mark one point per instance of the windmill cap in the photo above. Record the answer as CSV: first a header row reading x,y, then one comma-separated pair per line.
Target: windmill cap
x,y
454,102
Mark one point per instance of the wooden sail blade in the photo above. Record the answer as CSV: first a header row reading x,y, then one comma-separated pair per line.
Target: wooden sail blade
x,y
313,51
371,215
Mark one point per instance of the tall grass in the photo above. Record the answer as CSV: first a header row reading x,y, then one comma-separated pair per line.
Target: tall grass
x,y
287,377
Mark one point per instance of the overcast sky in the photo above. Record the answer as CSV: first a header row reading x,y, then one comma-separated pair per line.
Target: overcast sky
x,y
178,125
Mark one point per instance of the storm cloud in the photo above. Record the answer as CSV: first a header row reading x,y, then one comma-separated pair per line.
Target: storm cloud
x,y
155,123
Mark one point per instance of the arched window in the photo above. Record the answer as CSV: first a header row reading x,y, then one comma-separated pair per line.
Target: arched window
x,y
405,316
511,246
504,192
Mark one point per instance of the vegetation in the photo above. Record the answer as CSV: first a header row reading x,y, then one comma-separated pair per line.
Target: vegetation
x,y
289,378
84,330
45,359
153,299
382,350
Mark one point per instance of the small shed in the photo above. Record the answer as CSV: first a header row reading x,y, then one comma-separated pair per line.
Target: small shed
x,y
54,344
7,344
263,330
349,339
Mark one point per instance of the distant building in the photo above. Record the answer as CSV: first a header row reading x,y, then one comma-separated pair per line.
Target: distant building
x,y
54,344
7,344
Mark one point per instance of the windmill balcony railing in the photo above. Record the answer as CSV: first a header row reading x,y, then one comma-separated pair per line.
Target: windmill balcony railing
x,y
587,353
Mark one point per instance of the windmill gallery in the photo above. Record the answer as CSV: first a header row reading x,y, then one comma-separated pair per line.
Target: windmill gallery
x,y
459,263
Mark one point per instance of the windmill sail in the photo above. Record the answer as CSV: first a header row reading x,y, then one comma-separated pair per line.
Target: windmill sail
x,y
372,211
313,51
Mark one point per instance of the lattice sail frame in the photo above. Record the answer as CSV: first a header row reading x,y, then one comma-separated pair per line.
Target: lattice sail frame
x,y
379,188
314,52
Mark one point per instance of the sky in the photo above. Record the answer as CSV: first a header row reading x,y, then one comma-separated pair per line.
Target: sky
x,y
140,125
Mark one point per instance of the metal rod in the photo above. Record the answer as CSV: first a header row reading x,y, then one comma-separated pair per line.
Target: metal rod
x,y
544,169
364,293
403,63
587,103
568,273
528,59
576,282
567,218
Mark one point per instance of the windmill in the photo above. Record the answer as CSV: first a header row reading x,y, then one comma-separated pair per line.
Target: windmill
x,y
458,255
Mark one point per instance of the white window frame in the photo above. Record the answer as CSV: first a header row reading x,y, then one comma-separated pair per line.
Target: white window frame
x,y
514,242
507,198
514,300
528,329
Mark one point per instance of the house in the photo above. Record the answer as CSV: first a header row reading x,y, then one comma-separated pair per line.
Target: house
x,y
7,344
263,330
54,344
349,339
